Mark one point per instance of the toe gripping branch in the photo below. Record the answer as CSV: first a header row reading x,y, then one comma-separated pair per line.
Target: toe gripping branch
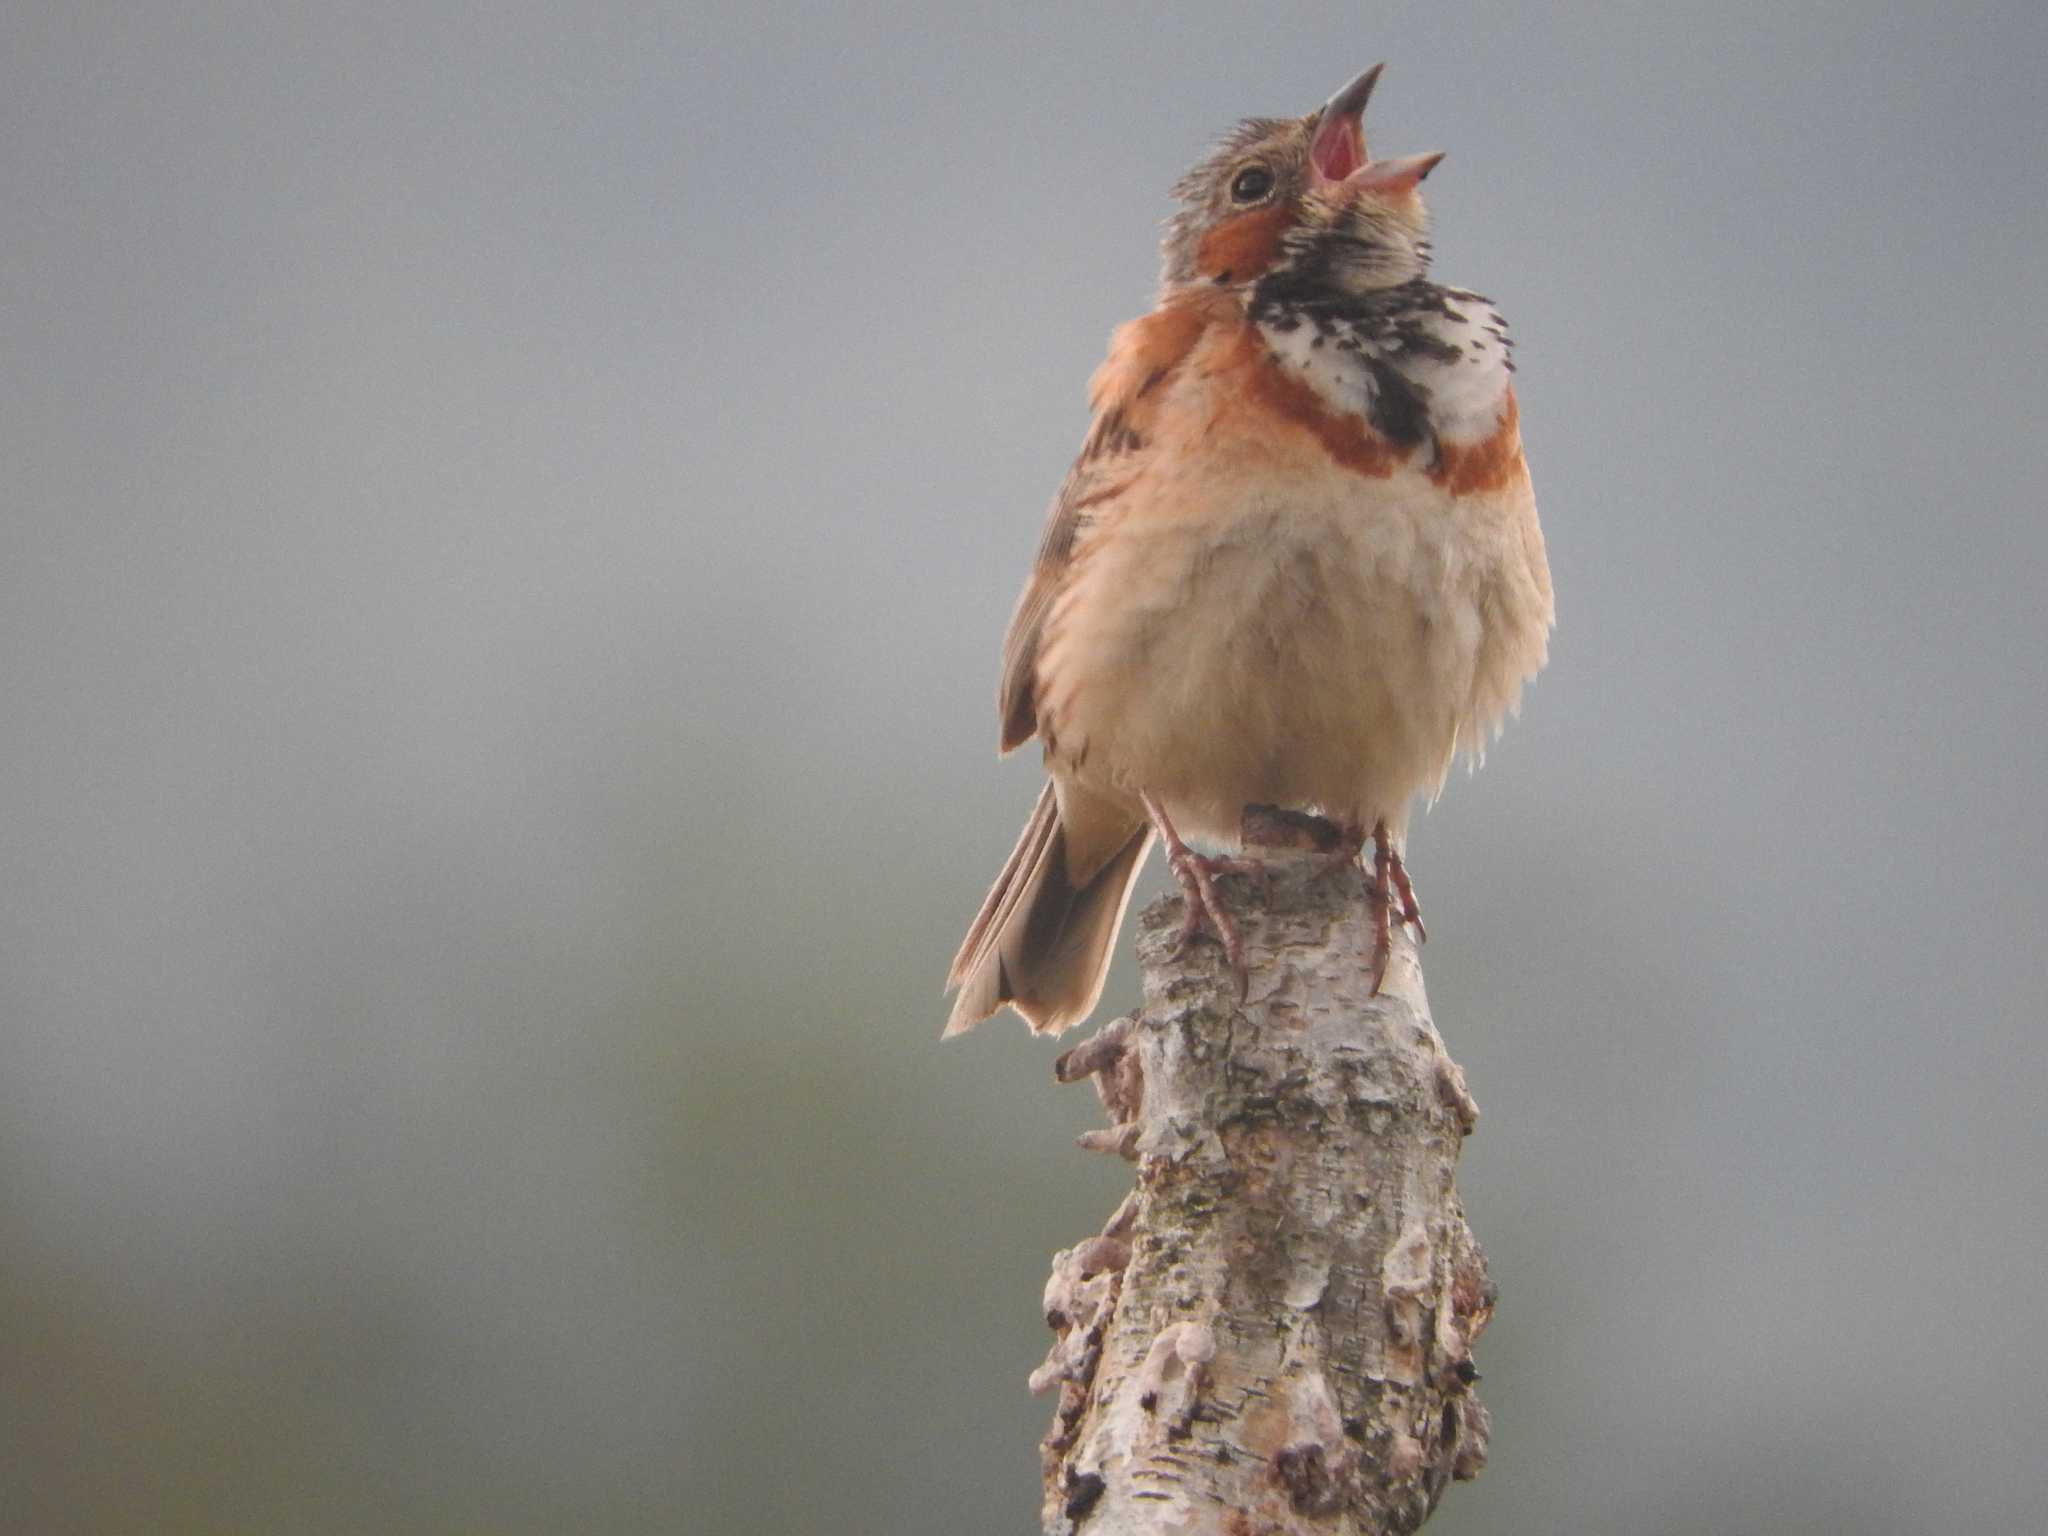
x,y
1388,889
1197,874
1388,885
1390,892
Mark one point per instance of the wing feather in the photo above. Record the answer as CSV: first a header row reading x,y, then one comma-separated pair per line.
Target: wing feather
x,y
1143,356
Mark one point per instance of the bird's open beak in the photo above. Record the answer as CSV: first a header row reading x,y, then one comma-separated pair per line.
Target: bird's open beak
x,y
1337,150
1338,147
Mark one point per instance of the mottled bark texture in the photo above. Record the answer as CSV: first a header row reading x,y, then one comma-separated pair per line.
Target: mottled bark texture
x,y
1274,1332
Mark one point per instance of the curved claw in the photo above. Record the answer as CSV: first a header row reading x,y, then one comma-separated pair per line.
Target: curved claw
x,y
1197,876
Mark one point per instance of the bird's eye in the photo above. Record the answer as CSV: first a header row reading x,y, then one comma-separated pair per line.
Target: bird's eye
x,y
1251,184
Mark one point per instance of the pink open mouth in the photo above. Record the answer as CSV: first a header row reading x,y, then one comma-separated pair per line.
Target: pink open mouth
x,y
1338,147
1337,152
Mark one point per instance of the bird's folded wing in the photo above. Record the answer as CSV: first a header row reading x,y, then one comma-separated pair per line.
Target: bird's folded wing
x,y
1125,394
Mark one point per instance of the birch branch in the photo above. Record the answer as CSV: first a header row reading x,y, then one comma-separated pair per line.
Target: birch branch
x,y
1272,1336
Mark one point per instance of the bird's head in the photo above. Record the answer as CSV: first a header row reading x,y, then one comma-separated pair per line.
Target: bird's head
x,y
1300,193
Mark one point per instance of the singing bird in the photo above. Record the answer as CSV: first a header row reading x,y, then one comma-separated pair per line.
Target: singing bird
x,y
1296,562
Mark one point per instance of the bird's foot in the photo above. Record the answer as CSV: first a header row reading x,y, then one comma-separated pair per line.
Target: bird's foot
x,y
1197,876
1392,896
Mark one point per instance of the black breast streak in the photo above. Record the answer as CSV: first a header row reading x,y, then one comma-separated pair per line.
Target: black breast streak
x,y
1400,407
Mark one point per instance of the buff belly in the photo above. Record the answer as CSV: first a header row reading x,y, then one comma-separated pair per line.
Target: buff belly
x,y
1315,641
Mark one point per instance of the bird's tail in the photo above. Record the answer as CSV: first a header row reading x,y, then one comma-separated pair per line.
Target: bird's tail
x,y
1042,940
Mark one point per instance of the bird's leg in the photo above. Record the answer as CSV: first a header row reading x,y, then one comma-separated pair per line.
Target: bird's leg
x,y
1389,885
1411,909
1197,876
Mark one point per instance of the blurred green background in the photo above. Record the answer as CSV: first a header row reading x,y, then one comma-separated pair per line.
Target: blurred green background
x,y
509,516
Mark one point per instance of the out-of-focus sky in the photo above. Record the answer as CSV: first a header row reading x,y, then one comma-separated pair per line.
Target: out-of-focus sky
x,y
508,518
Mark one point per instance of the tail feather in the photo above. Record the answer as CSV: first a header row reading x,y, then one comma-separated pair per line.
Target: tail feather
x,y
1041,943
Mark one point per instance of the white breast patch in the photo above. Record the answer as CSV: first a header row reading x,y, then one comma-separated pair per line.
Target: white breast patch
x,y
1333,356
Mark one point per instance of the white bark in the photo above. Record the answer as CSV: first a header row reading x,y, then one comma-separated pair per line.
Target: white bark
x,y
1273,1335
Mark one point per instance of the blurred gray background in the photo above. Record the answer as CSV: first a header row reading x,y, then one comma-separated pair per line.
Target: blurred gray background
x,y
509,516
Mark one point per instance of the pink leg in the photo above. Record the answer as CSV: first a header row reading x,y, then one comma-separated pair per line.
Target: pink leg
x,y
1388,887
1411,909
1197,876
